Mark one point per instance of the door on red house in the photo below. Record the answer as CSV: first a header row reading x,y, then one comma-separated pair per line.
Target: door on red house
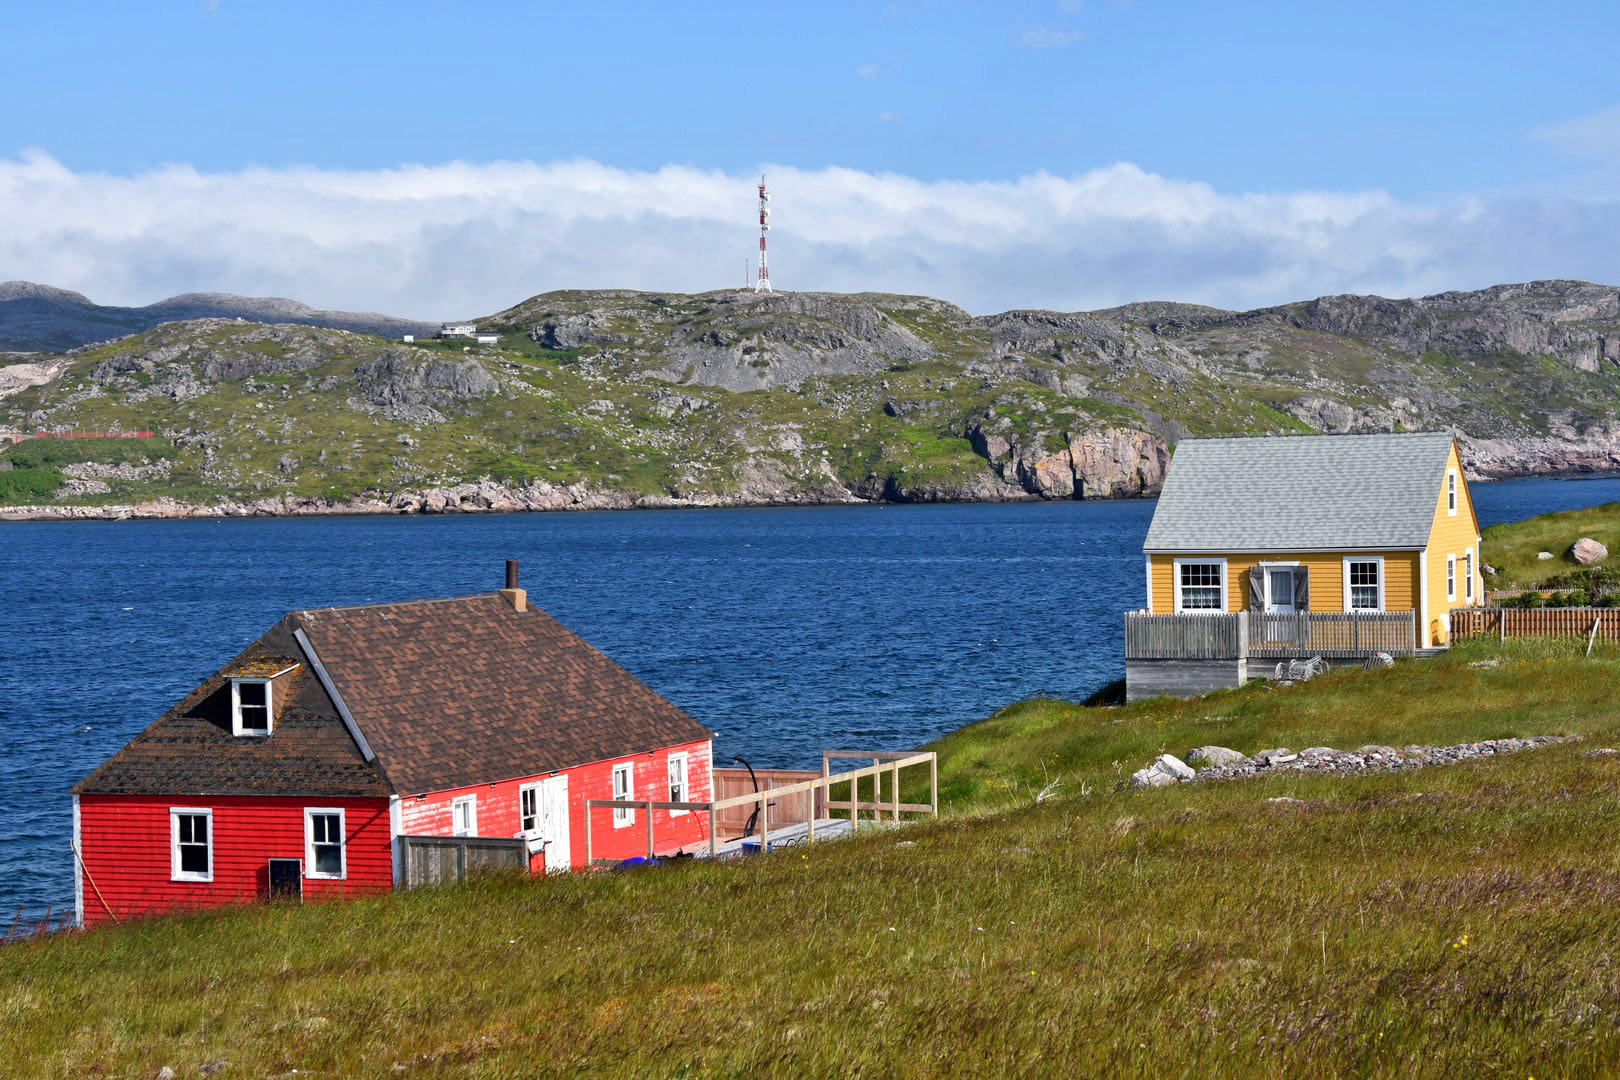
x,y
553,824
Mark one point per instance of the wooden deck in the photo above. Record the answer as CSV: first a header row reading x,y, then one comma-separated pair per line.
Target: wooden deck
x,y
787,836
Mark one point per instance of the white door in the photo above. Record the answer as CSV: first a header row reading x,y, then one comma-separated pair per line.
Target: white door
x,y
1280,587
553,824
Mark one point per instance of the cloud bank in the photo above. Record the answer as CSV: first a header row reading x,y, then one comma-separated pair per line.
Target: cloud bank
x,y
458,239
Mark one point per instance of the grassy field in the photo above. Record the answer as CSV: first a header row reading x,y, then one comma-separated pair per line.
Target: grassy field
x,y
1454,921
1512,549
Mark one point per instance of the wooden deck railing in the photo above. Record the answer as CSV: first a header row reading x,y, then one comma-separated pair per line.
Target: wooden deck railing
x,y
1237,635
819,789
1331,633
1603,624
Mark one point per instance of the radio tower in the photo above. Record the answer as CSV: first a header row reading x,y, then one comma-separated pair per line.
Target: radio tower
x,y
762,277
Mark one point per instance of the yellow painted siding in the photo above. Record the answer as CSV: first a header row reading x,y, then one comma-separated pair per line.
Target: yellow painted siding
x,y
1453,535
1325,572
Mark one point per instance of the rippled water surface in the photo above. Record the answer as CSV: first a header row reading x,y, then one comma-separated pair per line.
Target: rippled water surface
x,y
787,631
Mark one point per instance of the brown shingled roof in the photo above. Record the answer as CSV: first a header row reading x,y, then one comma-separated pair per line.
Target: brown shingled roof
x,y
190,750
451,693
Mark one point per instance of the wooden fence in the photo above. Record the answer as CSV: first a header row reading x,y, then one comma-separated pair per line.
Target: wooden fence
x,y
794,809
1331,633
819,788
433,860
1242,634
1603,624
1215,636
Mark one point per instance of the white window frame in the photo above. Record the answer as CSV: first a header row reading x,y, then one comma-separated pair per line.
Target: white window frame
x,y
533,792
471,803
309,843
1468,576
175,814
1451,492
236,709
683,759
1348,559
623,819
1451,579
1175,585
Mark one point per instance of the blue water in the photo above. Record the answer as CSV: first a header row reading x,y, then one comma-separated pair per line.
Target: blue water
x,y
787,630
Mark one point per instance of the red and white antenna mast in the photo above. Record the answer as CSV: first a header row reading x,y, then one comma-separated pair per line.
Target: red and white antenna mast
x,y
762,277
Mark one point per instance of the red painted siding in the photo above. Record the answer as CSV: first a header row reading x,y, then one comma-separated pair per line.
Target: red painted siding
x,y
497,807
125,842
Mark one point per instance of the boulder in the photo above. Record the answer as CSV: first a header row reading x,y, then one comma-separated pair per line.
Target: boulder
x,y
1276,756
1587,551
1544,555
1166,769
1212,757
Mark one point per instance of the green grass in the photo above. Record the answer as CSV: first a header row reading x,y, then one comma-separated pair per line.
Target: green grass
x,y
1198,932
1512,549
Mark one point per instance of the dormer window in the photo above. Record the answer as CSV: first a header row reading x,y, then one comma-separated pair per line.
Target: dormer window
x,y
250,707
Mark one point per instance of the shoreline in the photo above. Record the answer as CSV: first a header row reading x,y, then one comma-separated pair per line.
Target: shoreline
x,y
490,498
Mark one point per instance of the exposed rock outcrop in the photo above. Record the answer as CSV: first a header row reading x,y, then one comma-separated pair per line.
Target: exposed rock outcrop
x,y
411,384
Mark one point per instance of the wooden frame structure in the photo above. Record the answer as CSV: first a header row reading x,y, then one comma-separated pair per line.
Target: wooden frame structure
x,y
883,761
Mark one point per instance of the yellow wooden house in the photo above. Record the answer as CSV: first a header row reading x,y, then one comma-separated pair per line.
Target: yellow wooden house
x,y
1318,524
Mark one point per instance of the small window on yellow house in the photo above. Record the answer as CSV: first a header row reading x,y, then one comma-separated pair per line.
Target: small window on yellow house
x,y
1200,585
1451,492
1364,584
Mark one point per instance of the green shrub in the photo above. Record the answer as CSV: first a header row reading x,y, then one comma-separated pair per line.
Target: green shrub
x,y
48,453
28,485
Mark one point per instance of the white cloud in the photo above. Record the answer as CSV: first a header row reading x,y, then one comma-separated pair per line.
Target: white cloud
x,y
459,239
1047,38
867,71
1593,135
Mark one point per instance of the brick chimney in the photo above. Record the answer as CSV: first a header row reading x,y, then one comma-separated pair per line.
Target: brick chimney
x,y
512,594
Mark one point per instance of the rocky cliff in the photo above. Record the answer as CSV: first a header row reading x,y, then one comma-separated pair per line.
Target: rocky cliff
x,y
618,398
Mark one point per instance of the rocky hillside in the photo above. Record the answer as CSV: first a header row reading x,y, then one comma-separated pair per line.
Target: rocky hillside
x,y
35,317
614,398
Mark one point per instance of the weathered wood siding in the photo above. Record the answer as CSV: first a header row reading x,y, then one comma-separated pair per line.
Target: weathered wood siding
x,y
125,841
1181,678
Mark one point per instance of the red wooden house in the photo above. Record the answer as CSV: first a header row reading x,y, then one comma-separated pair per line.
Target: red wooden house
x,y
338,731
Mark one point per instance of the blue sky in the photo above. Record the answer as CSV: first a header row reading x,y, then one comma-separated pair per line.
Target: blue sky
x,y
1495,113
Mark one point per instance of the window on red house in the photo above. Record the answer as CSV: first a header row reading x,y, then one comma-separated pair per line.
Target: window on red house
x,y
323,838
191,848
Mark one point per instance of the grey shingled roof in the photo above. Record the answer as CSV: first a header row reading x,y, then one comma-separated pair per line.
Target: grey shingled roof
x,y
1300,492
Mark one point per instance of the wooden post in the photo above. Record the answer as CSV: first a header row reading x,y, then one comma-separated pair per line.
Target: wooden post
x,y
1592,637
649,830
587,834
764,823
714,841
1501,624
894,793
877,790
933,784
